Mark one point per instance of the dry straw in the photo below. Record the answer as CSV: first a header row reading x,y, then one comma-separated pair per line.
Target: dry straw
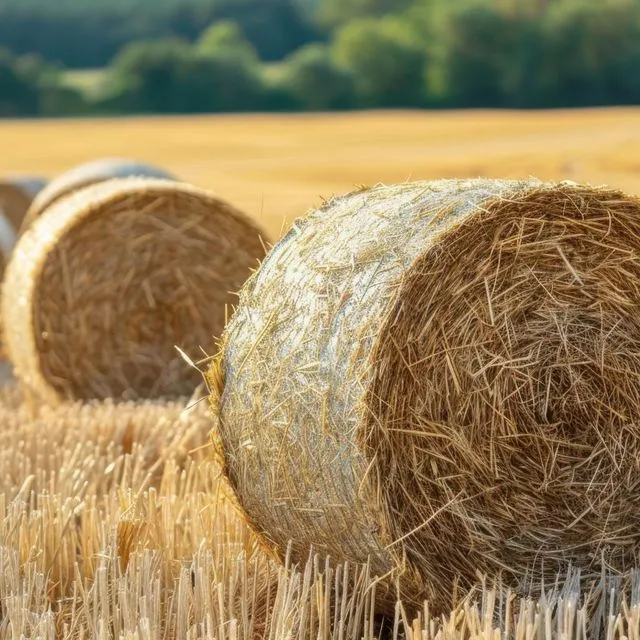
x,y
106,283
443,377
87,174
114,523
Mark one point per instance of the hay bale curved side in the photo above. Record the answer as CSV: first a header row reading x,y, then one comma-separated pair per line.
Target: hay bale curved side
x,y
105,283
85,175
443,377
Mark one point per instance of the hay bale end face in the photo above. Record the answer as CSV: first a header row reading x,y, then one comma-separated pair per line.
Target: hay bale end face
x,y
85,175
107,282
443,377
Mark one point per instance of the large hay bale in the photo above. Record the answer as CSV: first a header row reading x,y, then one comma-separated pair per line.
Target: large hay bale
x,y
105,283
16,195
87,174
444,377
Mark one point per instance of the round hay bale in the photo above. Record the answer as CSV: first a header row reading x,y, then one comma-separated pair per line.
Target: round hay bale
x,y
443,377
87,174
7,240
16,195
105,284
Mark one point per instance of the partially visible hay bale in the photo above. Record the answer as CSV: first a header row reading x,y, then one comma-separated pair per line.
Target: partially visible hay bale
x,y
16,195
444,377
107,282
7,240
87,174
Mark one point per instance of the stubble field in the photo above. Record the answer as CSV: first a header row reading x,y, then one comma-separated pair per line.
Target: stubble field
x,y
114,522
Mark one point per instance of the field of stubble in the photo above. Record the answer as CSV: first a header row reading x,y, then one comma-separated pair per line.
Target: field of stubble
x,y
114,522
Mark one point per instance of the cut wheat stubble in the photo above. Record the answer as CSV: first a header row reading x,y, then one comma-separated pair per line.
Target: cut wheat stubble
x,y
443,377
115,522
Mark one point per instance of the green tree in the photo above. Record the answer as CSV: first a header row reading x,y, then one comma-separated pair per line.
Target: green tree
x,y
338,12
591,53
145,75
58,100
172,77
18,96
487,55
312,77
54,97
225,38
221,84
36,70
235,82
276,28
89,34
387,62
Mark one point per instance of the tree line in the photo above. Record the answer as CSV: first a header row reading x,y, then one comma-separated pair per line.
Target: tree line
x,y
299,55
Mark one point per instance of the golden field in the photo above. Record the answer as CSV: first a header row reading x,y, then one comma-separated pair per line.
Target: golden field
x,y
114,520
275,167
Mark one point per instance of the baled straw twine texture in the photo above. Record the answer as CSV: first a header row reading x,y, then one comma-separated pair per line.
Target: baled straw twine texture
x,y
108,281
85,175
443,377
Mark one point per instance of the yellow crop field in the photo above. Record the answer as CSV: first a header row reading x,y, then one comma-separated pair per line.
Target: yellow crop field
x,y
277,166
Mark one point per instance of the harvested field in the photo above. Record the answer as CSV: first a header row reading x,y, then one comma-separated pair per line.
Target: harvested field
x,y
115,523
277,166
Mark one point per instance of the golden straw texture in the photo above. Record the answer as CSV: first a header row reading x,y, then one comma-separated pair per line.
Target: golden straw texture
x,y
115,523
87,174
443,376
107,282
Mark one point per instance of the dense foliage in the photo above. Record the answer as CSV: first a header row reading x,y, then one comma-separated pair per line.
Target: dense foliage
x,y
81,34
236,55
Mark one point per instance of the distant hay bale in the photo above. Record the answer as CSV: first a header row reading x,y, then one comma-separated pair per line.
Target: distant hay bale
x,y
7,240
87,174
444,377
16,195
105,283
